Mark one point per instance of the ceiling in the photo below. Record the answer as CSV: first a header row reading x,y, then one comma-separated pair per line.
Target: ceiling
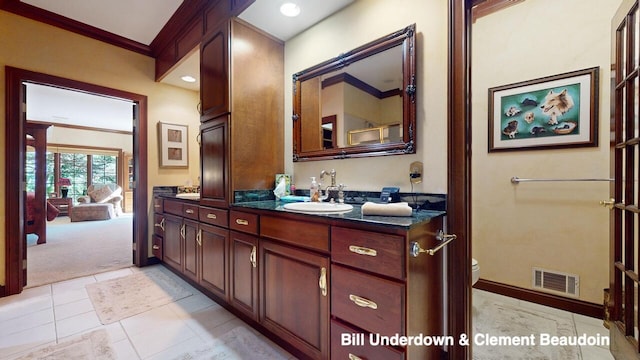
x,y
138,20
143,21
265,15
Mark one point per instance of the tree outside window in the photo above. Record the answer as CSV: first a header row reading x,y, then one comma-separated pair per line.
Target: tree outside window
x,y
104,169
74,167
82,169
30,172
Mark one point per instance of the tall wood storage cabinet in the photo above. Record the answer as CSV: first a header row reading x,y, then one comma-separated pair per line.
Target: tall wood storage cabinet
x,y
242,99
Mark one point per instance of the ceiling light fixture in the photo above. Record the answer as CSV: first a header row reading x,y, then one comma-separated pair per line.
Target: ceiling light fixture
x,y
188,78
290,9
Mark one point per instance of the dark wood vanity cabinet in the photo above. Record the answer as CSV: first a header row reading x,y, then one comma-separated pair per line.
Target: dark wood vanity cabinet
x,y
173,246
244,273
214,248
214,73
214,162
192,249
379,288
294,293
309,279
157,239
242,97
195,247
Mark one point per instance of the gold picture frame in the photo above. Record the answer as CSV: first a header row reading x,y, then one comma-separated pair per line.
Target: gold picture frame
x,y
547,113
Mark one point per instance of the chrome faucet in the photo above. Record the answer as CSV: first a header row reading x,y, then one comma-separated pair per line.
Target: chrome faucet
x,y
333,185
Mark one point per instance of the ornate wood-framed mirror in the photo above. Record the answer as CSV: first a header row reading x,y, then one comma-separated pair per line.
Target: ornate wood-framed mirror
x,y
360,103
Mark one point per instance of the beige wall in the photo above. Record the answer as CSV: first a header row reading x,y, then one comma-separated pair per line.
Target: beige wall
x,y
362,22
38,47
557,226
91,138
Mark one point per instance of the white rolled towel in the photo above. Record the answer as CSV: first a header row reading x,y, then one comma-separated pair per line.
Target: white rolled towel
x,y
392,209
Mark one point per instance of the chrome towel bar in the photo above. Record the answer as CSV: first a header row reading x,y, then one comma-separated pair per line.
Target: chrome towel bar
x,y
517,180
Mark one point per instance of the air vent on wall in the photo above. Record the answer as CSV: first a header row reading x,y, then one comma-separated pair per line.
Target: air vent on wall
x,y
557,282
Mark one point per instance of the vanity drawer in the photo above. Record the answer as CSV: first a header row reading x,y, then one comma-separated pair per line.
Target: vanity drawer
x,y
172,207
371,251
190,211
158,224
368,302
156,247
157,205
360,346
306,234
244,222
218,217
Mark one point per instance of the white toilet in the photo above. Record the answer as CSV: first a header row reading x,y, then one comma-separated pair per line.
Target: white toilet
x,y
475,271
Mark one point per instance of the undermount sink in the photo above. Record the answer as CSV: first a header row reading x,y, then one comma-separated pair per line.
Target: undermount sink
x,y
318,207
190,196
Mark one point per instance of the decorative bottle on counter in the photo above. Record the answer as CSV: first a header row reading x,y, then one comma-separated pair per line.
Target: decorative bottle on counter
x,y
313,190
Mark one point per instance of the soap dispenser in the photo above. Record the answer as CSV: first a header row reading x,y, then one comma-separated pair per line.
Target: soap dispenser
x,y
313,190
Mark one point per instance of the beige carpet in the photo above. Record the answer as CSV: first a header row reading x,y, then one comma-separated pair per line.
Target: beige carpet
x,y
236,344
79,249
90,346
120,298
494,318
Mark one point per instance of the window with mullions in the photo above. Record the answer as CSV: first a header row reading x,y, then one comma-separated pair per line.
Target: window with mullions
x,y
30,171
81,169
104,169
74,167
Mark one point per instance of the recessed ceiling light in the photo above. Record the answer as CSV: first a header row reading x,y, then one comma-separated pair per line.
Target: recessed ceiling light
x,y
188,78
290,9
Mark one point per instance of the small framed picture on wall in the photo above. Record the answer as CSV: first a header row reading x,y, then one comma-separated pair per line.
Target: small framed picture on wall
x,y
172,141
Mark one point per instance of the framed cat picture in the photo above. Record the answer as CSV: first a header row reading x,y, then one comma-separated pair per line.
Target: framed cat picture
x,y
551,112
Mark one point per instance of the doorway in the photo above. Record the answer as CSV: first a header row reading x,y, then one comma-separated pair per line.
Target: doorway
x,y
15,167
548,223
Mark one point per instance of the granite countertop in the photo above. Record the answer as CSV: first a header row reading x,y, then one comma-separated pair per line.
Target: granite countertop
x,y
430,206
354,215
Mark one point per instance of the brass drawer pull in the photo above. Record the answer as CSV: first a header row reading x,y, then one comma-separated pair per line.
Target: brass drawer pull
x,y
161,225
252,257
189,211
354,357
157,206
211,216
362,250
156,247
242,222
362,302
322,282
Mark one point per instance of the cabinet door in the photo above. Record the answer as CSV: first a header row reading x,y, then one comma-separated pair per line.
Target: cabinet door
x,y
244,273
191,239
214,162
214,73
173,243
215,260
294,289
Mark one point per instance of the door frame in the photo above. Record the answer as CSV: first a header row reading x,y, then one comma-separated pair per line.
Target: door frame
x,y
623,255
15,236
459,178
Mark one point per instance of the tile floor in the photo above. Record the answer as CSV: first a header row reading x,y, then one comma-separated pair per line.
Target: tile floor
x,y
47,314
583,324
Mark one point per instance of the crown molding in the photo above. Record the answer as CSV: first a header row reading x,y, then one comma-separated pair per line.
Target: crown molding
x,y
34,13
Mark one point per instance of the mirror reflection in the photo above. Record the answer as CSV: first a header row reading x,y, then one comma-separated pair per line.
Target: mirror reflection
x,y
361,103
